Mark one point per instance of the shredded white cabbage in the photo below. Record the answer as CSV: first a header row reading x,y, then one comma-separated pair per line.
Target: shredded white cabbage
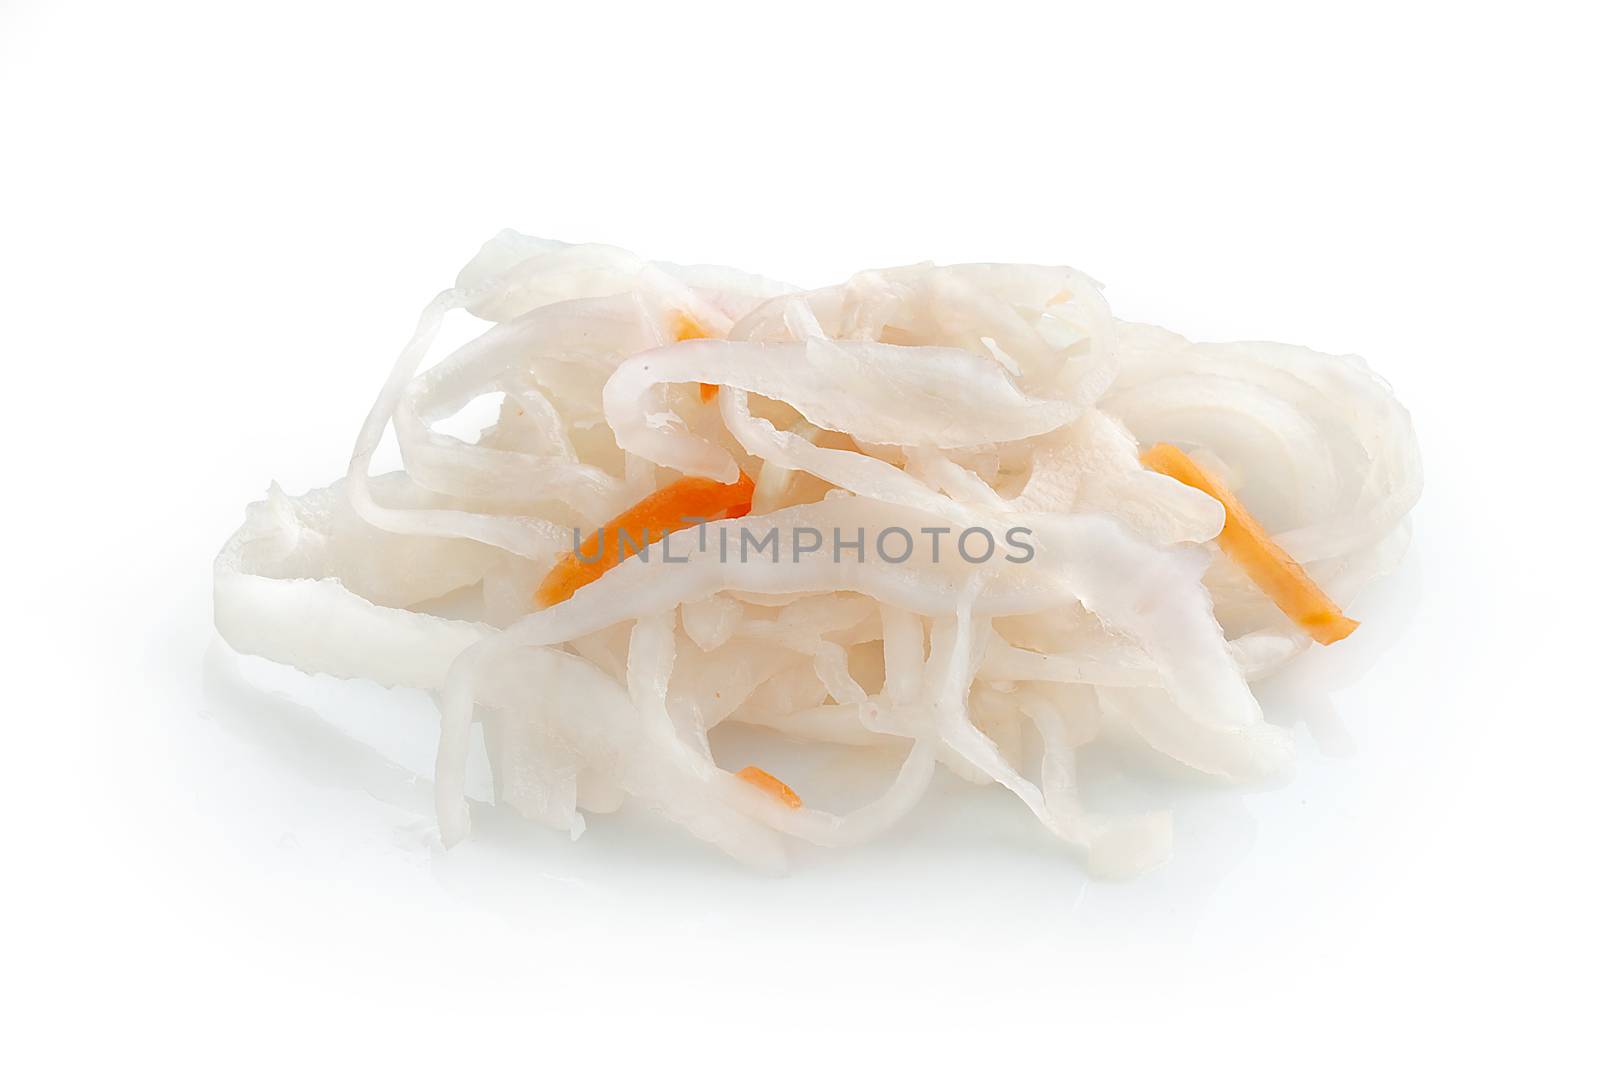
x,y
928,399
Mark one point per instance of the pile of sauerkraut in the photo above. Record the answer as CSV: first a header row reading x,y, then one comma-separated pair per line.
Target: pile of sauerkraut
x,y
922,398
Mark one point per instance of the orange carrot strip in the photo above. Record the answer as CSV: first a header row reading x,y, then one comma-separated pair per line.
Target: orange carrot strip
x,y
1243,540
650,518
686,328
771,785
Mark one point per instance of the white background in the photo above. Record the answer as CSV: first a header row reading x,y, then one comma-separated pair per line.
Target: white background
x,y
217,223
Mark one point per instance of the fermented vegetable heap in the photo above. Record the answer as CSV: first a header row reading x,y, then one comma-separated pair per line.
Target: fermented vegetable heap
x,y
993,523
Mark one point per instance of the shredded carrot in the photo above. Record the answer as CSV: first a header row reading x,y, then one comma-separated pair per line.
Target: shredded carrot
x,y
771,785
680,505
1244,541
686,328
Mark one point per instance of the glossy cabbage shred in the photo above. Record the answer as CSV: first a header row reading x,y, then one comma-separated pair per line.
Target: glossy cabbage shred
x,y
920,398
